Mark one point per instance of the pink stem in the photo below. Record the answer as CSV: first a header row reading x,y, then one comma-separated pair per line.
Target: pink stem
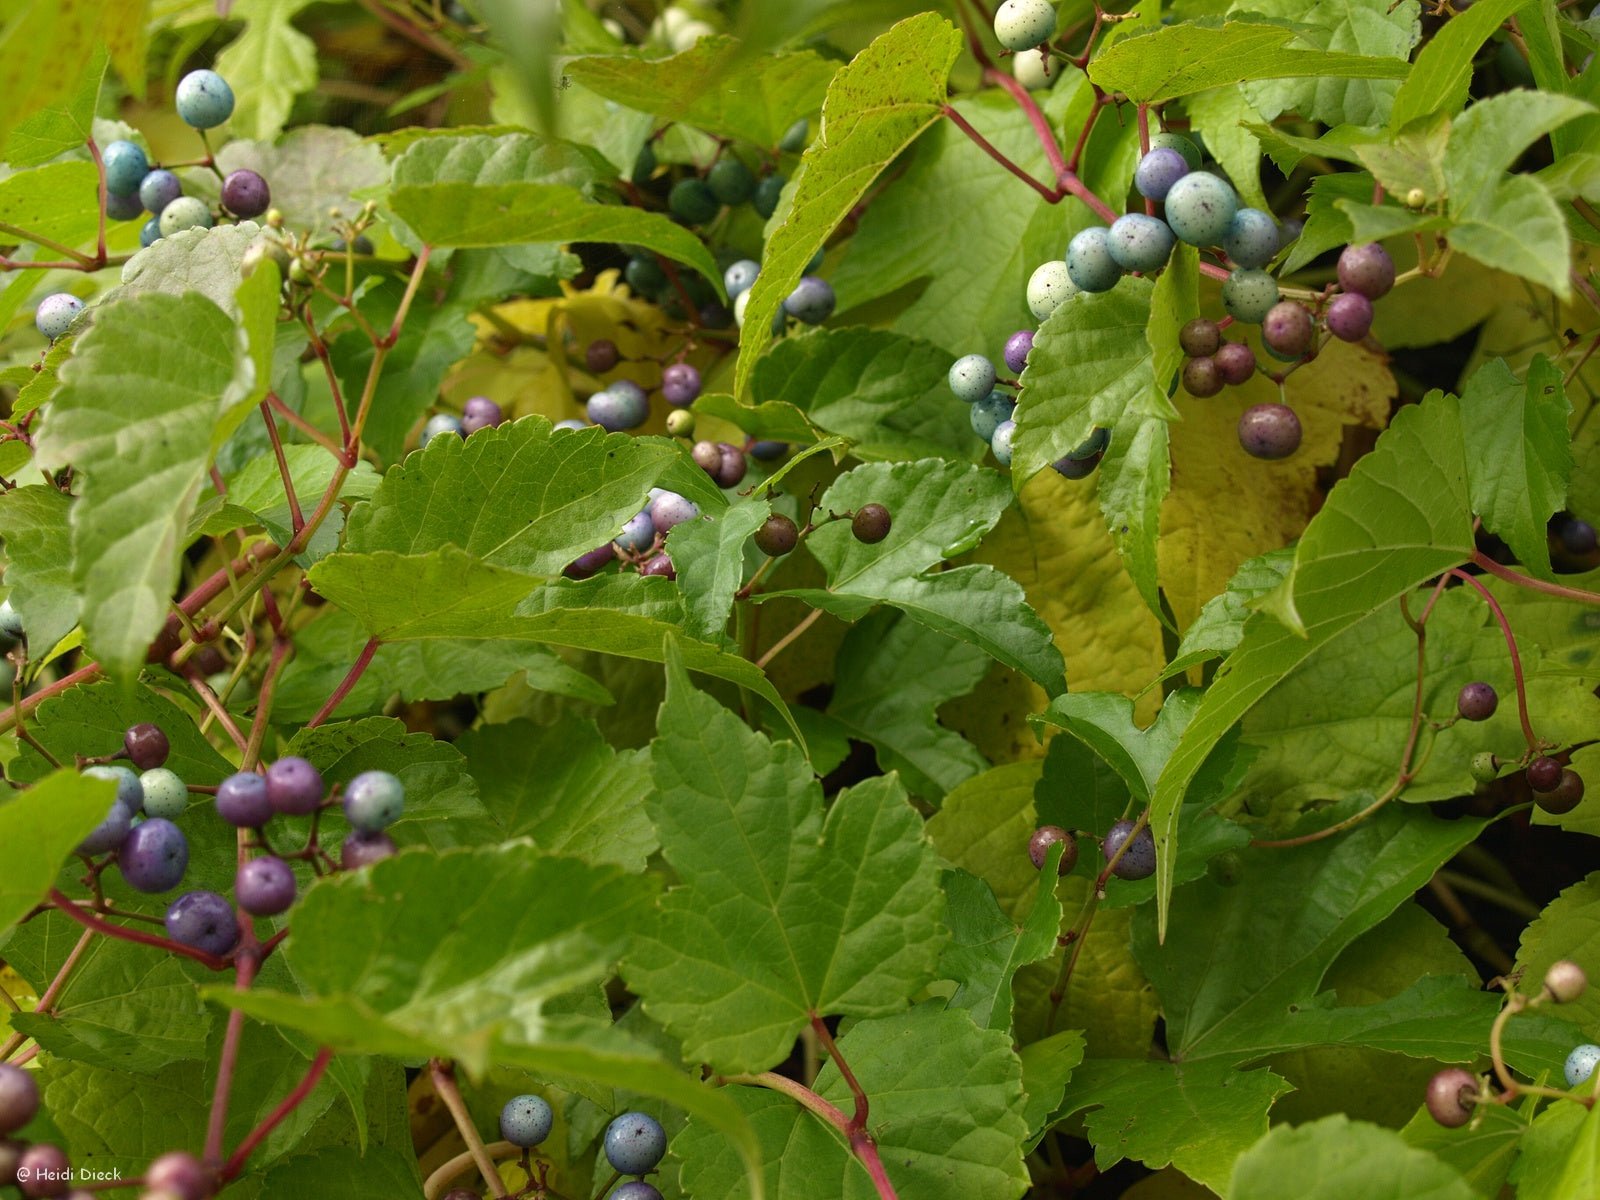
x,y
292,1101
296,518
345,684
1479,559
227,1062
1035,115
1511,648
993,152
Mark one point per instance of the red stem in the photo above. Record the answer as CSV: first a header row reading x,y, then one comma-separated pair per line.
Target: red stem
x,y
345,684
1036,118
298,521
100,170
1144,148
983,143
1078,188
292,1101
858,1123
92,922
27,704
228,1061
1479,559
1511,648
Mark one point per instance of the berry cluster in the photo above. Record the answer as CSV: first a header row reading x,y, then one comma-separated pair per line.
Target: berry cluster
x,y
973,379
1557,789
634,1144
1128,847
479,412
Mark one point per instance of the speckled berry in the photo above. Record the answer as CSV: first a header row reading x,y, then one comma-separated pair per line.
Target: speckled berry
x,y
1049,835
125,165
1024,24
972,378
1236,362
130,792
165,794
635,1143
1249,295
1252,238
1366,269
987,414
668,510
638,535
1199,338
1288,328
1200,208
1201,379
1580,1064
186,212
526,1121
1016,350
158,189
1139,243
56,313
1090,264
1269,431
1138,861
203,99
1484,767
1000,442
1477,701
374,800
1049,287
1349,316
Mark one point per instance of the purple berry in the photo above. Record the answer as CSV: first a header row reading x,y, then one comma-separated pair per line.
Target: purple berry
x,y
374,800
480,412
1158,171
601,356
680,384
638,535
245,194
109,834
1269,431
154,856
1046,836
1366,269
1477,702
621,406
19,1097
636,1189
158,189
731,466
1544,774
465,1194
1138,861
264,886
179,1173
1199,338
1201,379
1578,537
668,509
591,563
1017,347
1451,1094
123,208
362,849
242,800
1076,468
146,746
44,1171
294,786
203,921
660,565
707,457
1349,316
1288,328
1565,796
1236,362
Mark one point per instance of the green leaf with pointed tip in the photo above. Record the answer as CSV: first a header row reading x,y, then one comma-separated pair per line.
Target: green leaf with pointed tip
x,y
35,523
770,421
1220,625
60,127
152,388
1381,31
876,107
1443,70
714,86
1401,517
1569,928
268,65
258,488
562,787
946,1114
987,950
782,912
1488,139
38,830
709,557
1517,227
514,157
1335,1158
1482,1152
1104,722
1552,1141
1222,118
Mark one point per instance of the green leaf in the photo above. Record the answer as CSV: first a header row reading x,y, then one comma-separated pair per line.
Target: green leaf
x,y
715,86
1552,1141
1220,117
56,201
876,107
34,521
1412,159
269,65
153,387
313,170
562,787
1518,228
946,1114
194,260
1488,139
709,557
1483,1152
1381,30
987,950
1191,56
38,830
258,488
782,913
1220,626
380,1174
1104,723
61,127
1335,1158
1439,79
774,421
1400,517
39,39
1569,928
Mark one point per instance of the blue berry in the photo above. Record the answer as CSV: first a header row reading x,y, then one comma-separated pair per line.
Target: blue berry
x,y
1138,861
1071,468
812,301
158,189
130,792
1158,171
203,921
242,800
768,193
150,233
109,834
1000,442
126,166
730,181
972,378
1089,261
203,99
1139,243
635,1189
621,406
1581,1063
1049,287
1017,347
692,200
680,384
123,208
1091,446
668,509
165,794
768,451
1024,24
1176,141
1578,537
987,414
740,277
264,886
186,212
635,1143
56,313
373,801
294,786
638,534
1200,208
1249,295
441,423
526,1120
1252,238
154,856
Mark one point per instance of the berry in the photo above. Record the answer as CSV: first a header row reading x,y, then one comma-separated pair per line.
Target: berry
x,y
1017,347
1366,269
374,800
1000,442
730,181
591,563
362,849
1288,328
158,189
871,524
972,378
440,423
480,412
768,451
294,786
56,313
362,245
767,195
165,795
1269,431
1477,702
680,423
621,406
1544,774
146,745
107,835
130,792
793,140
680,384
1451,1094
1089,262
1091,446
1581,1063
1200,338
242,800
264,887
123,208
1236,362
731,467
245,194
1252,238
19,1097
203,99
635,1143
1249,295
601,356
645,276
10,620
812,301
1049,287
638,535
1226,869
154,856
1484,767
659,565
1158,171
1138,861
1176,141
179,1173
1024,24
526,1120
692,200
42,1171
707,457
644,164
777,536
1072,468
126,166
1046,836
1200,209
1034,71
1565,981
740,277
203,921
569,424
1566,795
1139,243
1578,537
668,509
1349,316
987,414
186,212
1201,379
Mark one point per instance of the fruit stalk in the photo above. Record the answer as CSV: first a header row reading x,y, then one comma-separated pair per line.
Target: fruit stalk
x,y
444,1082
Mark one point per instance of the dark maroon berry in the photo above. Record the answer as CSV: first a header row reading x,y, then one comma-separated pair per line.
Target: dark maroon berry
x,y
1349,316
1366,269
146,746
242,800
1138,861
1578,537
480,412
1039,848
264,886
732,466
44,1171
209,660
871,524
777,536
294,786
1201,379
1017,347
601,356
1236,362
154,856
181,1174
19,1097
1077,468
245,194
707,456
591,563
1565,796
1269,431
680,384
1200,338
1451,1094
1477,702
204,921
1544,774
660,565
362,849
1288,328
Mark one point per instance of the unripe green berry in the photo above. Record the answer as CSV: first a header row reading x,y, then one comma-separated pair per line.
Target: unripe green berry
x,y
680,422
1484,768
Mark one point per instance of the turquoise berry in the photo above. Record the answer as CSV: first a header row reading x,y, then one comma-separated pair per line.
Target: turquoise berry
x,y
972,378
186,212
1000,442
740,277
130,792
373,801
987,414
158,189
126,166
150,233
1176,141
1200,208
1089,260
1094,444
204,99
1252,238
1140,243
1249,295
440,423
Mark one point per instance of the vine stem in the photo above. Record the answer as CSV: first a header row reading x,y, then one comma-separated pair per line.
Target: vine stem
x,y
444,1082
443,1175
82,675
272,1120
789,638
1036,118
363,661
295,516
830,1047
47,1001
91,922
1480,559
228,1060
1511,649
983,143
861,1143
